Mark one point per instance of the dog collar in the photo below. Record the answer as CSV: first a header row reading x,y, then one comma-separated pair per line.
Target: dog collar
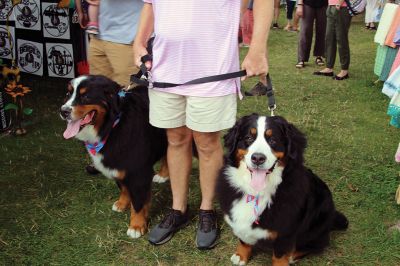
x,y
94,148
249,199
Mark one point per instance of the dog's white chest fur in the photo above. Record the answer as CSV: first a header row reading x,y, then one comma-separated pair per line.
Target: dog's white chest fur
x,y
243,217
242,214
98,164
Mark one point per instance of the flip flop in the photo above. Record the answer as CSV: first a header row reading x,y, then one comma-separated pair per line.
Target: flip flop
x,y
326,74
319,61
300,64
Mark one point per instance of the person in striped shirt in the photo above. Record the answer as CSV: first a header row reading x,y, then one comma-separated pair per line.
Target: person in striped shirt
x,y
195,39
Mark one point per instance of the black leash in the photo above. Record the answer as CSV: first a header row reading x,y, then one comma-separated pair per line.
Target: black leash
x,y
143,77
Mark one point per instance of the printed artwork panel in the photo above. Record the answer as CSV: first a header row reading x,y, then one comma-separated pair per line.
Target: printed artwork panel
x,y
30,57
27,15
7,45
55,21
60,60
5,9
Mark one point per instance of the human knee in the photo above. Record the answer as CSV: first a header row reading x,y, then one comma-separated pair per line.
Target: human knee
x,y
178,137
207,143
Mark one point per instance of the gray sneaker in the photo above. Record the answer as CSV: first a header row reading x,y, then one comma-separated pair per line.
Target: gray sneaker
x,y
207,231
164,231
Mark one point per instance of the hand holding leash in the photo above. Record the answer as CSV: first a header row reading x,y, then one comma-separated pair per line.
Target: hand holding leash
x,y
255,63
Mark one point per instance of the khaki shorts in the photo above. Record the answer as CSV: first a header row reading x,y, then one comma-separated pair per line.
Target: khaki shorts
x,y
202,114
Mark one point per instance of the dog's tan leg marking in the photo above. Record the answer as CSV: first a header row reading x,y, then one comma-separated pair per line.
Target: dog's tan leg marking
x,y
120,176
272,235
138,221
122,204
282,261
297,255
242,255
163,174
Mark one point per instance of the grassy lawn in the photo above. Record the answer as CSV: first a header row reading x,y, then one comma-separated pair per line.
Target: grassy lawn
x,y
52,213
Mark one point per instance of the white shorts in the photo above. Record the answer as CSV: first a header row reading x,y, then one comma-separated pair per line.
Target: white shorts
x,y
202,114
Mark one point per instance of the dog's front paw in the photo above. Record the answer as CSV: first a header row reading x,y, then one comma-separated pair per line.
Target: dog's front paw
x,y
160,179
118,207
134,233
237,260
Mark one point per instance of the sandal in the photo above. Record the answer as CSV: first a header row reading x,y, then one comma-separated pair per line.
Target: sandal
x,y
300,64
319,61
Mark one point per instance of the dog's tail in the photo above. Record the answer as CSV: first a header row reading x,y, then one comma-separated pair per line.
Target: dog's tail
x,y
340,221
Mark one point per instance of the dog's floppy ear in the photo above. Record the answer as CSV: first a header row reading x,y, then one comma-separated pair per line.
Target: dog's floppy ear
x,y
232,137
296,140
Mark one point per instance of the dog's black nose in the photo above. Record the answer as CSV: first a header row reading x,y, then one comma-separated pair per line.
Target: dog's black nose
x,y
65,111
258,158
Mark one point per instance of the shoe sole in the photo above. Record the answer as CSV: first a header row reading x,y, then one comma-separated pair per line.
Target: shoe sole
x,y
324,74
210,246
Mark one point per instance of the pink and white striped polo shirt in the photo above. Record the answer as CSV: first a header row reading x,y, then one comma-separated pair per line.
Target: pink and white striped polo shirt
x,y
195,39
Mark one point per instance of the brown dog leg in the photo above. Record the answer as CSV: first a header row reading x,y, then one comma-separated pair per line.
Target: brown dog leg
x,y
122,204
242,255
162,175
138,221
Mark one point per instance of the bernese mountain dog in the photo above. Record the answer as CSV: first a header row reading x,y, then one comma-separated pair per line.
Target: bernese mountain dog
x,y
114,125
269,197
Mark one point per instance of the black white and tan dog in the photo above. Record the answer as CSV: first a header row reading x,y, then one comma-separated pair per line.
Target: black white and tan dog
x,y
114,125
269,197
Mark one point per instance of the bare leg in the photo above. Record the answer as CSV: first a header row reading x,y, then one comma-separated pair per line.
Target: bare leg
x,y
93,13
179,157
276,10
210,162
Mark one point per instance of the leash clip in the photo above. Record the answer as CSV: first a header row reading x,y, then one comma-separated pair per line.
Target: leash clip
x,y
272,109
149,79
129,87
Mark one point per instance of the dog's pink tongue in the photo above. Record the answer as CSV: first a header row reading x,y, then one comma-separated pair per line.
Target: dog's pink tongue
x,y
72,129
258,177
88,118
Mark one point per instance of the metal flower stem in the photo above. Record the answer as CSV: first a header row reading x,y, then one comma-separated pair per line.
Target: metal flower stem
x,y
19,112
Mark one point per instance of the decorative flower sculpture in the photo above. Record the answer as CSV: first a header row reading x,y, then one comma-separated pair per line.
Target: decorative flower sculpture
x,y
17,92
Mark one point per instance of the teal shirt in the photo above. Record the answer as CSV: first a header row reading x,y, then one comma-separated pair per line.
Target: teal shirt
x,y
118,20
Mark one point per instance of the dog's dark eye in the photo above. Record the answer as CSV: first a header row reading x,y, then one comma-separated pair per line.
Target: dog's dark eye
x,y
67,96
84,98
249,139
271,141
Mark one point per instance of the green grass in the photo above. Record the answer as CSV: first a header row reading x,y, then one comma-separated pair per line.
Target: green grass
x,y
52,213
